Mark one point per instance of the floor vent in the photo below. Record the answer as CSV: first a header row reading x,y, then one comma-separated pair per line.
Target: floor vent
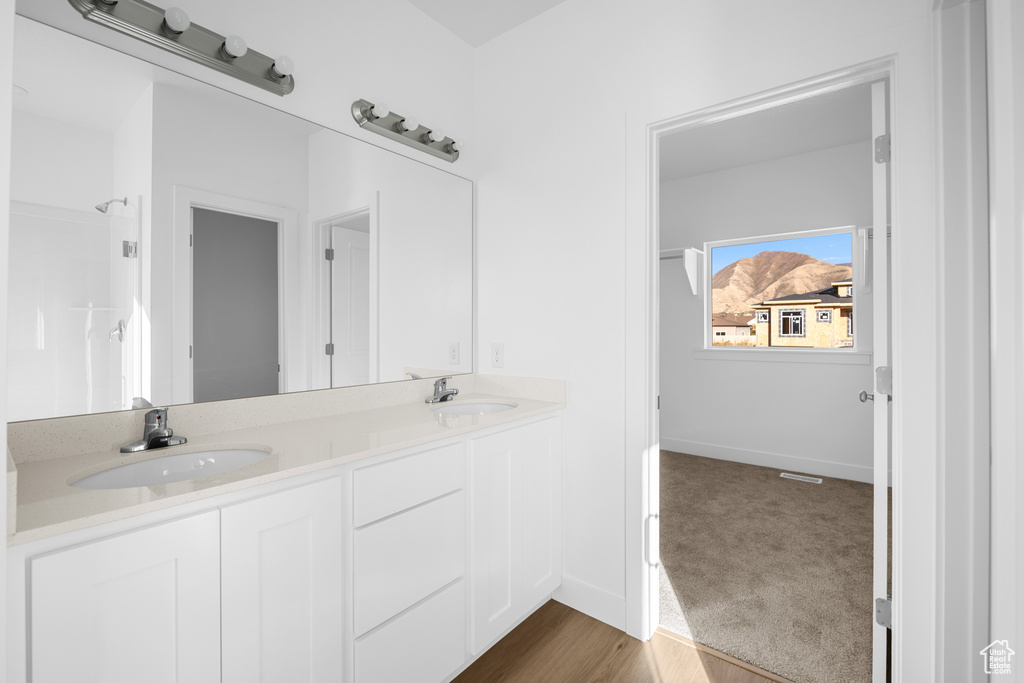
x,y
800,477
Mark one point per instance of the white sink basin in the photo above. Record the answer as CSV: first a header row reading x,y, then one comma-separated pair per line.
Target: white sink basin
x,y
478,408
171,468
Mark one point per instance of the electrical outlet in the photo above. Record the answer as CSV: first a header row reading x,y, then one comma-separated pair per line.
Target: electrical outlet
x,y
497,355
453,353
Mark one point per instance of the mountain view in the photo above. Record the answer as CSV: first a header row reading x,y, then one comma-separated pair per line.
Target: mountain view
x,y
769,275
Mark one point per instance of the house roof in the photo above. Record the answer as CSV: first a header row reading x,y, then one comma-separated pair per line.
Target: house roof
x,y
826,295
730,320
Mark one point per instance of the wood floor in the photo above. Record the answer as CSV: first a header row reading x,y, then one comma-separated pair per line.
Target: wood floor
x,y
557,644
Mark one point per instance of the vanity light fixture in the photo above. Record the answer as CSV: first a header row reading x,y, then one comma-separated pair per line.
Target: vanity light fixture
x,y
172,30
404,129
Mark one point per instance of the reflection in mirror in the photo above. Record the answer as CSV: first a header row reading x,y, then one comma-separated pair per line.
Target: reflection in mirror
x,y
172,242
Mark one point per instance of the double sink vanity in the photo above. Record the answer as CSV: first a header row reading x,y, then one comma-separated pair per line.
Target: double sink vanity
x,y
363,535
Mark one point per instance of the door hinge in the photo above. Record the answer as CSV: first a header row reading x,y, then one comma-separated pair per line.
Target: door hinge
x,y
883,149
190,240
329,254
883,611
883,380
659,403
329,349
130,249
190,351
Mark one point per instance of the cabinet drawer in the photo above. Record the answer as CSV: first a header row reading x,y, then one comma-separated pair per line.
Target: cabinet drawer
x,y
424,645
405,558
396,485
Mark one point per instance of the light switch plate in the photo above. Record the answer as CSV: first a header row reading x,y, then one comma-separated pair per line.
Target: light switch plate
x,y
497,355
453,353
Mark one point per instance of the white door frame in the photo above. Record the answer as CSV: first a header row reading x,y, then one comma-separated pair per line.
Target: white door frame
x,y
288,305
321,317
645,127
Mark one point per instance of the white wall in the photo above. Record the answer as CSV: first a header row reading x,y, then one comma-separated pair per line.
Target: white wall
x,y
554,145
59,163
424,250
205,140
791,415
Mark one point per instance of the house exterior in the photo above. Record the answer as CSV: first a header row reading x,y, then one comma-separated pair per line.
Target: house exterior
x,y
821,319
734,329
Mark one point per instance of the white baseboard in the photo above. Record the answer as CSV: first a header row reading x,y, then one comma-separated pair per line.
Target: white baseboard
x,y
592,601
821,468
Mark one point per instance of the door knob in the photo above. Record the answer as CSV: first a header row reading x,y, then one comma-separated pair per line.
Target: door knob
x,y
865,397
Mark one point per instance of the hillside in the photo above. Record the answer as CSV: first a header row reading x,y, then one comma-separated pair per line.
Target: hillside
x,y
768,275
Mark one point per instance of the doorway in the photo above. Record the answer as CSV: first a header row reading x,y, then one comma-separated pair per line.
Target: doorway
x,y
235,327
776,172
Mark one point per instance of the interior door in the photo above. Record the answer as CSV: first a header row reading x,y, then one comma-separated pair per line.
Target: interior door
x,y
350,304
882,385
235,306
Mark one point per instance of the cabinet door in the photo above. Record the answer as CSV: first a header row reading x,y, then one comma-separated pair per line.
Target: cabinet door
x,y
542,510
282,586
143,606
496,571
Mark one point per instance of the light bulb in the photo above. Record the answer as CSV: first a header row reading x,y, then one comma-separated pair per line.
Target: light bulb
x,y
283,67
234,47
176,21
379,110
435,135
408,123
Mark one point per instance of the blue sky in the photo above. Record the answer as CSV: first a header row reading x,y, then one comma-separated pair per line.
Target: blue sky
x,y
829,248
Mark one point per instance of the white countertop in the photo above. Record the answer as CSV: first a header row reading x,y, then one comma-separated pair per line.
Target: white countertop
x,y
48,506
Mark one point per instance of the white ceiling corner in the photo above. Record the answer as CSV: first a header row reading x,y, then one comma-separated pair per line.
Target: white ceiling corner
x,y
478,21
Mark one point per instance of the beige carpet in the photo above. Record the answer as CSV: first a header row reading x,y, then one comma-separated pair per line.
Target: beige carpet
x,y
771,571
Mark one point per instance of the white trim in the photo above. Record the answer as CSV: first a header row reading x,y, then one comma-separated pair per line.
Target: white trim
x,y
6,81
783,355
1006,166
779,461
290,312
592,601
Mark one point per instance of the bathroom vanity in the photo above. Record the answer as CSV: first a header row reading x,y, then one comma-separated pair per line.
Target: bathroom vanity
x,y
389,543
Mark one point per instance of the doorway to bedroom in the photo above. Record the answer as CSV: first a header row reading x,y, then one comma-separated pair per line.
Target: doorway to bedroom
x,y
773,230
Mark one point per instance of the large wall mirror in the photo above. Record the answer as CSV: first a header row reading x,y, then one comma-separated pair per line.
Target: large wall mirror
x,y
173,243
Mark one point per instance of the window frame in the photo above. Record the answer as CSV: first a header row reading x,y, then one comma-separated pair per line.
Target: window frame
x,y
803,322
823,315
859,254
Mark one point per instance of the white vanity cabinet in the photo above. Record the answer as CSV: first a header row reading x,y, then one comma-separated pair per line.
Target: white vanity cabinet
x,y
398,568
409,567
141,606
515,519
281,586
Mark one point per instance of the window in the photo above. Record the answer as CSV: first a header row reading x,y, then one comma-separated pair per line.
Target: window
x,y
849,323
719,333
791,322
782,278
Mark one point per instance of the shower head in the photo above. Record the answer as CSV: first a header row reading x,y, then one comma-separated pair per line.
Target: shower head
x,y
102,208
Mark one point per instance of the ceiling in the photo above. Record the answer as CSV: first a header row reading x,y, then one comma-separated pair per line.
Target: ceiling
x,y
478,21
838,118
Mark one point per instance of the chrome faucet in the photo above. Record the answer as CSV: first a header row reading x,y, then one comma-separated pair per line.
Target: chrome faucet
x,y
155,434
441,391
